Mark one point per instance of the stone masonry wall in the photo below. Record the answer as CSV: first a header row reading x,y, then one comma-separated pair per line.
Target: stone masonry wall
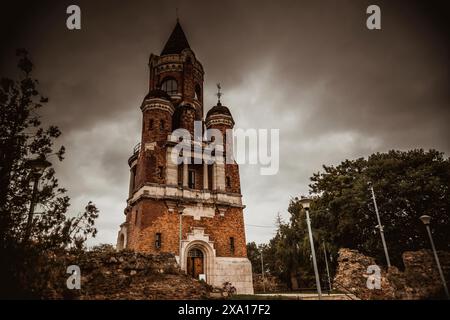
x,y
125,275
419,280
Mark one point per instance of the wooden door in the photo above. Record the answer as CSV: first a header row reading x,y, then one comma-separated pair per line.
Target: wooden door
x,y
190,267
198,266
194,265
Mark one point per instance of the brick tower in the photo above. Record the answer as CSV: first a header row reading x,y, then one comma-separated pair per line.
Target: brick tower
x,y
193,210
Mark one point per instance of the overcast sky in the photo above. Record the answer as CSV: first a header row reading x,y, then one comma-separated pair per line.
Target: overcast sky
x,y
312,69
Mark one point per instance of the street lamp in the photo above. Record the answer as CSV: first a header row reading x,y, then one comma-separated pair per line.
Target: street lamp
x,y
305,202
426,221
180,211
37,167
262,269
326,265
380,227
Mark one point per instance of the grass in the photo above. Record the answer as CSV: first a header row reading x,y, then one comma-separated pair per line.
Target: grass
x,y
279,295
258,297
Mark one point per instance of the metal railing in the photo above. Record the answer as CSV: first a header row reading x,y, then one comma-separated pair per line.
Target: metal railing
x,y
345,290
137,148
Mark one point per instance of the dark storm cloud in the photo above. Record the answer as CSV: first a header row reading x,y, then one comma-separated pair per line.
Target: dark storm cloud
x,y
335,89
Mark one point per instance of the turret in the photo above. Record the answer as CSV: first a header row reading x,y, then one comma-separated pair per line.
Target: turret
x,y
219,117
178,72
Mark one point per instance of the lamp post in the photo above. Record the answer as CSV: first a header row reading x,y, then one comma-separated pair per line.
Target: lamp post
x,y
180,211
380,226
262,269
305,202
37,167
326,265
426,221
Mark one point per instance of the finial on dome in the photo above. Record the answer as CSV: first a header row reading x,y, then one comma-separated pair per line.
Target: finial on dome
x,y
219,94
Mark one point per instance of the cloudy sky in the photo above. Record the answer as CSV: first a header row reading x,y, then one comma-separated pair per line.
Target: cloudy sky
x,y
312,69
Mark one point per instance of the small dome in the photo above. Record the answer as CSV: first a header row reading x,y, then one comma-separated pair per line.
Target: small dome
x,y
218,109
157,93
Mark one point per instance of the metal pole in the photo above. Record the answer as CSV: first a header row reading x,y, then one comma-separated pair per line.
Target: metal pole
x,y
381,228
31,211
262,270
181,235
326,265
441,274
313,252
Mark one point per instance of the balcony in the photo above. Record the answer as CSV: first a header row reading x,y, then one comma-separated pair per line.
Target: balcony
x,y
136,150
156,191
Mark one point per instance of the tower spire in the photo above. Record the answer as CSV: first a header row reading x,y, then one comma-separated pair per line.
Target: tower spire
x,y
177,41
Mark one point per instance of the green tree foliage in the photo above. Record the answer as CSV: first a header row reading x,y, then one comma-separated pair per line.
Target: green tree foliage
x,y
288,253
22,137
407,185
254,255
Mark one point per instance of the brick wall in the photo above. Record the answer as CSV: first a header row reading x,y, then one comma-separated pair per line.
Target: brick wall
x,y
187,118
156,133
154,217
232,173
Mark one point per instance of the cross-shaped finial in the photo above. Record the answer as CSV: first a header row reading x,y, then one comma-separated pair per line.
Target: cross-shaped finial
x,y
219,93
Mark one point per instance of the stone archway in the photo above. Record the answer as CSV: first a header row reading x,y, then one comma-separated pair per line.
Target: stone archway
x,y
197,239
121,242
207,261
122,238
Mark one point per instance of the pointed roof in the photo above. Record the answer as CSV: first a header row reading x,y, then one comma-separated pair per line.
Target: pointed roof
x,y
177,41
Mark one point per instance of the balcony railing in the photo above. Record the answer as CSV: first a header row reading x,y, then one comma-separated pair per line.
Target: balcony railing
x,y
137,148
135,154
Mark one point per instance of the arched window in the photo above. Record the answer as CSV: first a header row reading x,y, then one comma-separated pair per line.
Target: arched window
x,y
198,92
193,253
121,244
170,86
191,179
232,245
136,218
158,240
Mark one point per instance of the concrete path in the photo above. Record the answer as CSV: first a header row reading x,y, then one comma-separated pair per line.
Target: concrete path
x,y
310,296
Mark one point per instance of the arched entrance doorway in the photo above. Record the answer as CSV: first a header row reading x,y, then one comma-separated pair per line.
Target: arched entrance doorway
x,y
195,263
121,242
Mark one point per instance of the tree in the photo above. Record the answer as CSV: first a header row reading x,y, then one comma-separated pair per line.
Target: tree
x,y
407,185
288,254
254,255
23,138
